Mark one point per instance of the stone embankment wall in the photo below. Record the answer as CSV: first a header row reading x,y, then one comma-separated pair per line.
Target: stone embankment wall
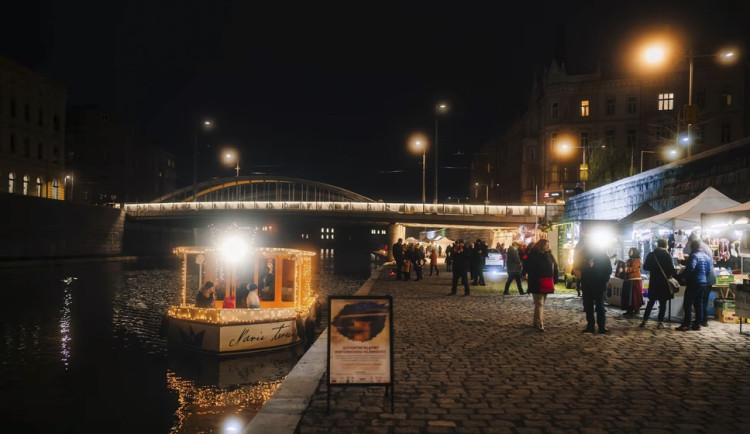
x,y
36,228
726,169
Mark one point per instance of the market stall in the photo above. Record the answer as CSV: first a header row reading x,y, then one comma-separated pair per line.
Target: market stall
x,y
732,224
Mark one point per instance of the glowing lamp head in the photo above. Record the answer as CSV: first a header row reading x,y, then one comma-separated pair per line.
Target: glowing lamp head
x,y
234,249
654,54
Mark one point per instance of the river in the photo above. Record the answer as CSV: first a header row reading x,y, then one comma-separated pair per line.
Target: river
x,y
82,352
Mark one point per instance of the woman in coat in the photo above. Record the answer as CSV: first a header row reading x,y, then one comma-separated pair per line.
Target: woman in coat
x,y
541,269
632,286
658,288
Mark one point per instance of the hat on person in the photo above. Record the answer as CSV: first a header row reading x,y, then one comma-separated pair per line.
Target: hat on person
x,y
252,287
209,284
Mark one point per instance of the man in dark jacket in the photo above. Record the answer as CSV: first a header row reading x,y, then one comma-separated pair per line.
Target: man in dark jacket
x,y
513,266
660,267
460,260
595,270
697,270
398,255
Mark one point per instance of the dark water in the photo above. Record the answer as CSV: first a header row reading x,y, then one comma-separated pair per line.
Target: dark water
x,y
81,352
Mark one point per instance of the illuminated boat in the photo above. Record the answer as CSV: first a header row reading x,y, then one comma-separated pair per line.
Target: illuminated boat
x,y
288,308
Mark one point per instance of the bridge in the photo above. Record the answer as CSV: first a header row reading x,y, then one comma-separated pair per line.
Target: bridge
x,y
263,196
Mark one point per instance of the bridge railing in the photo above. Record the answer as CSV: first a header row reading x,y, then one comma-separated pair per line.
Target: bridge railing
x,y
146,209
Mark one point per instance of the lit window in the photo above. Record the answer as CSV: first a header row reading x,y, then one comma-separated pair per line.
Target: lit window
x,y
55,189
666,101
584,108
38,187
11,182
25,185
726,99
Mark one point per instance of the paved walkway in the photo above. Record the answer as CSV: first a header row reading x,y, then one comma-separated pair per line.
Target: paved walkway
x,y
475,365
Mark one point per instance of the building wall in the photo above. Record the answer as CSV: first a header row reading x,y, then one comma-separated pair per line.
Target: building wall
x,y
624,125
32,133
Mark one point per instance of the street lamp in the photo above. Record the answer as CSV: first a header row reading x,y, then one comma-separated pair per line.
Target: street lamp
x,y
439,108
656,53
421,145
206,124
71,185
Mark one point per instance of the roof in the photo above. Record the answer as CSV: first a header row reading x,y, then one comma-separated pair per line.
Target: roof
x,y
687,215
642,212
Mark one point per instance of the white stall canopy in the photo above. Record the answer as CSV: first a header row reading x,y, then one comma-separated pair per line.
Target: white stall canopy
x,y
688,215
735,217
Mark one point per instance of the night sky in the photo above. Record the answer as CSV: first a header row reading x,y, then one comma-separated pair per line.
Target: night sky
x,y
331,91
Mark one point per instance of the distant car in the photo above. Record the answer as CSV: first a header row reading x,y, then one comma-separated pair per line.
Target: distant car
x,y
494,259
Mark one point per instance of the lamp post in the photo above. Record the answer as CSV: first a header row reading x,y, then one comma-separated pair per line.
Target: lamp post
x,y
421,145
234,157
206,124
439,108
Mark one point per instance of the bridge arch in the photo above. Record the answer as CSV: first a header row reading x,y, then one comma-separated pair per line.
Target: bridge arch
x,y
263,188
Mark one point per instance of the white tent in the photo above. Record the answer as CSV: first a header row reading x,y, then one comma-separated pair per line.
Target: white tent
x,y
687,215
736,216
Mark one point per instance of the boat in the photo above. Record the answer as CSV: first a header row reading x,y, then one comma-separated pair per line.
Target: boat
x,y
288,310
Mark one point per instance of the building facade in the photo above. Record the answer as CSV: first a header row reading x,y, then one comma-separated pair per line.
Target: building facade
x,y
584,131
113,162
32,133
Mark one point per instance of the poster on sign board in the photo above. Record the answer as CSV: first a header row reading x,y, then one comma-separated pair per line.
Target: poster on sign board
x,y
360,345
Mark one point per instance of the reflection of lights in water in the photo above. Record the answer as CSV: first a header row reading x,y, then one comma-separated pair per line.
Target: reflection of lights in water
x,y
199,406
65,321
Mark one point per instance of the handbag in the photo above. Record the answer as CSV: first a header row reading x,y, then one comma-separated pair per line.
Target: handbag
x,y
672,283
546,285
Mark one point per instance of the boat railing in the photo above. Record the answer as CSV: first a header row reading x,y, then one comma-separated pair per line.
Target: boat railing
x,y
230,316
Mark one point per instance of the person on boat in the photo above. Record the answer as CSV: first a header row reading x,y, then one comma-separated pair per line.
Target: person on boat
x,y
253,301
205,296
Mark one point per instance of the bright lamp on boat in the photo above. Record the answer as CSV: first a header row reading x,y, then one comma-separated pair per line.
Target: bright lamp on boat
x,y
234,248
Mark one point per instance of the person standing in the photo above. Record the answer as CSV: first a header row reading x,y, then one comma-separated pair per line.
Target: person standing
x,y
398,255
595,271
460,266
658,288
408,261
696,272
542,272
632,284
513,266
434,261
419,260
477,263
440,250
711,279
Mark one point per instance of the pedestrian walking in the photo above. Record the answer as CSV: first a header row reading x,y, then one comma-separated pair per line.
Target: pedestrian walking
x,y
448,258
659,264
541,268
695,275
434,262
513,266
596,269
460,260
710,279
398,255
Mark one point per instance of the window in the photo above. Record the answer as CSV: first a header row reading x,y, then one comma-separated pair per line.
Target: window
x,y
26,148
632,104
700,98
55,189
609,139
698,133
726,133
666,101
610,106
555,110
25,185
566,175
662,132
56,154
13,108
554,174
11,182
40,151
726,99
584,137
41,117
26,113
56,122
38,187
584,108
632,137
12,144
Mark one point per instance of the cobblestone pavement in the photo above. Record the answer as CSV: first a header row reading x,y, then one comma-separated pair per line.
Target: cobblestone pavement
x,y
476,365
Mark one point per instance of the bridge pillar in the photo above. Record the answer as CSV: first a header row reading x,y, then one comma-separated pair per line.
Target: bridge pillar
x,y
395,231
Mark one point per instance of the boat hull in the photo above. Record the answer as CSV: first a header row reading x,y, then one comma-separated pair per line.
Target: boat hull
x,y
230,339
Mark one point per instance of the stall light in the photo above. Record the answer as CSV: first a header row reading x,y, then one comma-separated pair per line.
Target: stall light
x,y
232,425
741,221
604,235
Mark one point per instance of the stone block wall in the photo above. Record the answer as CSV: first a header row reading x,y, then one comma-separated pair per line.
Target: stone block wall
x,y
726,168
